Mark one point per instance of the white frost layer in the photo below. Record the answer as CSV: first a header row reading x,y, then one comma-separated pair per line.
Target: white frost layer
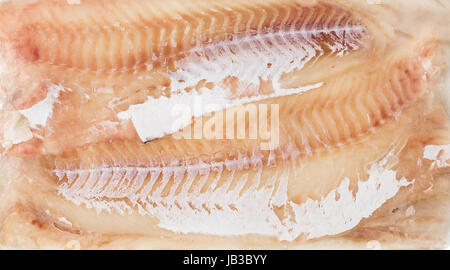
x,y
438,153
312,219
250,59
38,114
158,117
262,56
222,210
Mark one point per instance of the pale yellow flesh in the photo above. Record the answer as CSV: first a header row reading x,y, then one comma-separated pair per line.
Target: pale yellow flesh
x,y
386,104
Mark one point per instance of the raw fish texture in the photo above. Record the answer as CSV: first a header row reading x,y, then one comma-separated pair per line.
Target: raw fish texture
x,y
348,101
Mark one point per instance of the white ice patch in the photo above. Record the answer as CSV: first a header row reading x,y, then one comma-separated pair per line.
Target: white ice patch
x,y
15,130
330,216
65,221
161,116
226,211
39,113
440,154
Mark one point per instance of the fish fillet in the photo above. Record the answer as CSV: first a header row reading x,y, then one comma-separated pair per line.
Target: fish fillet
x,y
336,125
142,57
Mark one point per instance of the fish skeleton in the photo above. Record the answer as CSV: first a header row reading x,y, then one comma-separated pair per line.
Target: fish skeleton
x,y
91,146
